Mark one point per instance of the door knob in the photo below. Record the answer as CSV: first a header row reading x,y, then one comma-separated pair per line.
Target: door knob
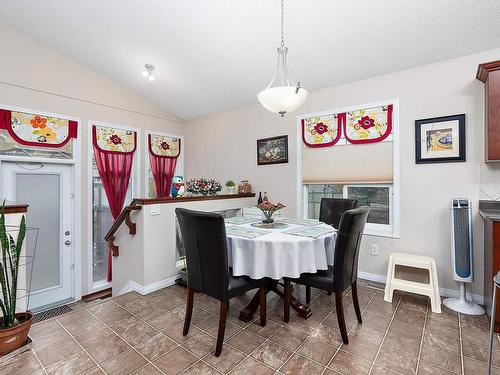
x,y
67,242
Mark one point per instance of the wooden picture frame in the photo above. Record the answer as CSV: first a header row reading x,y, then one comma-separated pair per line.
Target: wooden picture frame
x,y
273,150
440,139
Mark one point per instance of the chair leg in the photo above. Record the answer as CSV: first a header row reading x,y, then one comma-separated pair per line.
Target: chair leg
x,y
340,317
263,307
189,311
308,294
286,301
355,301
222,328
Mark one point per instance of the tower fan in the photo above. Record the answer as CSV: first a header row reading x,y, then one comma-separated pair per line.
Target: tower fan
x,y
461,255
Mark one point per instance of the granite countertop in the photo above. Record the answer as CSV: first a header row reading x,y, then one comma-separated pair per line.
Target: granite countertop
x,y
489,210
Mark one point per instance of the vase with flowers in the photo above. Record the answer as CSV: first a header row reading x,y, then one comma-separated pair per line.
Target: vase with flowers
x,y
268,209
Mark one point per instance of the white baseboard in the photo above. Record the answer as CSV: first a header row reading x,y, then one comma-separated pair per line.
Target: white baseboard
x,y
477,298
143,290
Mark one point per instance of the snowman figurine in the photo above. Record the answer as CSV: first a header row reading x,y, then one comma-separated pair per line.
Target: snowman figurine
x,y
177,189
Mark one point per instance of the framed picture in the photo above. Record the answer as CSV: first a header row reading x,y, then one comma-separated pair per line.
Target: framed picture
x,y
440,139
272,150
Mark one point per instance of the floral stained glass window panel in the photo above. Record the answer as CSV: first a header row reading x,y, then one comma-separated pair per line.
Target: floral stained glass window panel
x,y
162,145
321,131
369,124
110,139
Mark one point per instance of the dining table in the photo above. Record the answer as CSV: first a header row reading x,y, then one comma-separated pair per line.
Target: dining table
x,y
287,247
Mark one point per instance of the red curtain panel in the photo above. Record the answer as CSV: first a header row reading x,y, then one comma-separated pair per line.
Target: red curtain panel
x,y
163,154
114,169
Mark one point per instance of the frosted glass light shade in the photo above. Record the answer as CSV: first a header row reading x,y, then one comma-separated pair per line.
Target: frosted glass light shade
x,y
282,99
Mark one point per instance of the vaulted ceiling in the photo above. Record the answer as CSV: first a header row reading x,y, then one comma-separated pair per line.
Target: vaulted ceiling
x,y
212,55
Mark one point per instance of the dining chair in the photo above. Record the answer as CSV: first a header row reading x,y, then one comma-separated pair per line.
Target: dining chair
x,y
205,246
343,274
331,209
330,212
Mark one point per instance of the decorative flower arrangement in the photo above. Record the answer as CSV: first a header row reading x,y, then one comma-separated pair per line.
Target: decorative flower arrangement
x,y
268,209
203,186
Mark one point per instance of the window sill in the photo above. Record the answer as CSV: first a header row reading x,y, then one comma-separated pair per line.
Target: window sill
x,y
375,233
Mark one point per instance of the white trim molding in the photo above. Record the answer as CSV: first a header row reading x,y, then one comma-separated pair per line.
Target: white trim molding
x,y
143,290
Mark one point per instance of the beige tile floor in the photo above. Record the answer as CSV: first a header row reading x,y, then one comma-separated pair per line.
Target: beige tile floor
x,y
132,334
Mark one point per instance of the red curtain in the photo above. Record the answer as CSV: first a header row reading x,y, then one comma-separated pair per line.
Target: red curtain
x,y
114,169
163,168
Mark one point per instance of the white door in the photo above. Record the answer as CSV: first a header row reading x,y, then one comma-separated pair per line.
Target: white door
x,y
47,188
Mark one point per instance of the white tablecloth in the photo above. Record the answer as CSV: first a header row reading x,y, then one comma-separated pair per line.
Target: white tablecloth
x,y
278,254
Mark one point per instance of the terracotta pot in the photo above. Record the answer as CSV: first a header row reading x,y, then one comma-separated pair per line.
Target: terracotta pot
x,y
14,337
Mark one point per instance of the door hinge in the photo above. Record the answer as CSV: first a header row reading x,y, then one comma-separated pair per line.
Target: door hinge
x,y
72,267
72,196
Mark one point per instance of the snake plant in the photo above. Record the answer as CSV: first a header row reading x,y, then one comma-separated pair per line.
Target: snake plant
x,y
9,268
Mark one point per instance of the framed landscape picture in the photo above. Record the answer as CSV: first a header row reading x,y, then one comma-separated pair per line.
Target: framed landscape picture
x,y
440,139
272,150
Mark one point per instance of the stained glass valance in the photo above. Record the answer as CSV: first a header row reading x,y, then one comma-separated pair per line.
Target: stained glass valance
x,y
116,140
31,129
366,125
322,131
164,146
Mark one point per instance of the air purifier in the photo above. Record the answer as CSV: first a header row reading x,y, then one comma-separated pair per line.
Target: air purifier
x,y
461,256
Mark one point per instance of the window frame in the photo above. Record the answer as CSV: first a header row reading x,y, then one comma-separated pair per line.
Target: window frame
x,y
301,188
96,286
179,167
373,228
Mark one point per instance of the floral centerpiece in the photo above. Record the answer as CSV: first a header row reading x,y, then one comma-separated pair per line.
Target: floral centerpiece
x,y
268,209
203,186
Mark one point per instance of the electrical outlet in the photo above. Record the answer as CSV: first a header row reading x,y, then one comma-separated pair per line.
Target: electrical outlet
x,y
374,251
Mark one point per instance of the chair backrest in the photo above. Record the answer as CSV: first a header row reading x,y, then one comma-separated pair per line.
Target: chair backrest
x,y
347,244
205,245
331,209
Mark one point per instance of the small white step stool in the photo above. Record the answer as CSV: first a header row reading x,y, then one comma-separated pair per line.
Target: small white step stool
x,y
417,261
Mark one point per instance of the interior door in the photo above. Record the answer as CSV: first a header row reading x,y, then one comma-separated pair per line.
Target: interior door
x,y
47,189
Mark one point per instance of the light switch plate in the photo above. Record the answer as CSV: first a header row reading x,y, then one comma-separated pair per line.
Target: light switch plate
x,y
155,209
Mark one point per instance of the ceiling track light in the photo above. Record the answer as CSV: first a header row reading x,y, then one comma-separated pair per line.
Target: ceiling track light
x,y
148,73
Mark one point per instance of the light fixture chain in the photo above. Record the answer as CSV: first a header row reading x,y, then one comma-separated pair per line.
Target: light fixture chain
x,y
282,17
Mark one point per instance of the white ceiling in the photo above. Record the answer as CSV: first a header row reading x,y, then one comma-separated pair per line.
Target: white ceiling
x,y
212,55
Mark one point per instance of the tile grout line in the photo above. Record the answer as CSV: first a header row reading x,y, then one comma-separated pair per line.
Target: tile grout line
x,y
385,334
422,337
84,350
40,362
461,343
129,344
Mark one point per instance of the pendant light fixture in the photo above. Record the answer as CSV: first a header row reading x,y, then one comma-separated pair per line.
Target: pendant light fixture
x,y
281,96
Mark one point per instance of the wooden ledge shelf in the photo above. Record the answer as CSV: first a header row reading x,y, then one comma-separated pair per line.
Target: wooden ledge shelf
x,y
137,204
14,208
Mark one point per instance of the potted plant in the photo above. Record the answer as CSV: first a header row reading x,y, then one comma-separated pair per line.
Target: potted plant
x,y
14,326
231,187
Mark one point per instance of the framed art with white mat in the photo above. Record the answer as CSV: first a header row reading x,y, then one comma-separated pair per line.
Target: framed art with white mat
x,y
440,139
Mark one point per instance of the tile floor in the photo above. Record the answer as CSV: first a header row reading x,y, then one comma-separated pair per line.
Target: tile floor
x,y
131,334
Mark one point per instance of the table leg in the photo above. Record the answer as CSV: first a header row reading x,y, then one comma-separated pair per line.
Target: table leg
x,y
246,314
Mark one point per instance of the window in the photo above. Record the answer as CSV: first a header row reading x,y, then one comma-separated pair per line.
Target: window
x,y
101,222
9,147
179,167
378,197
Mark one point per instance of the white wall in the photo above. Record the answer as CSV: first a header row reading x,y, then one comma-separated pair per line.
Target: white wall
x,y
36,77
223,145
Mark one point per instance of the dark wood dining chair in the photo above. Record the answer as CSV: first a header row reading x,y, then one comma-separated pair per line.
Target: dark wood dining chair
x,y
343,274
330,212
205,245
331,209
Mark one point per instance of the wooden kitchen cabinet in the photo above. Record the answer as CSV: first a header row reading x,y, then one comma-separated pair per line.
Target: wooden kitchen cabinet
x,y
489,73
